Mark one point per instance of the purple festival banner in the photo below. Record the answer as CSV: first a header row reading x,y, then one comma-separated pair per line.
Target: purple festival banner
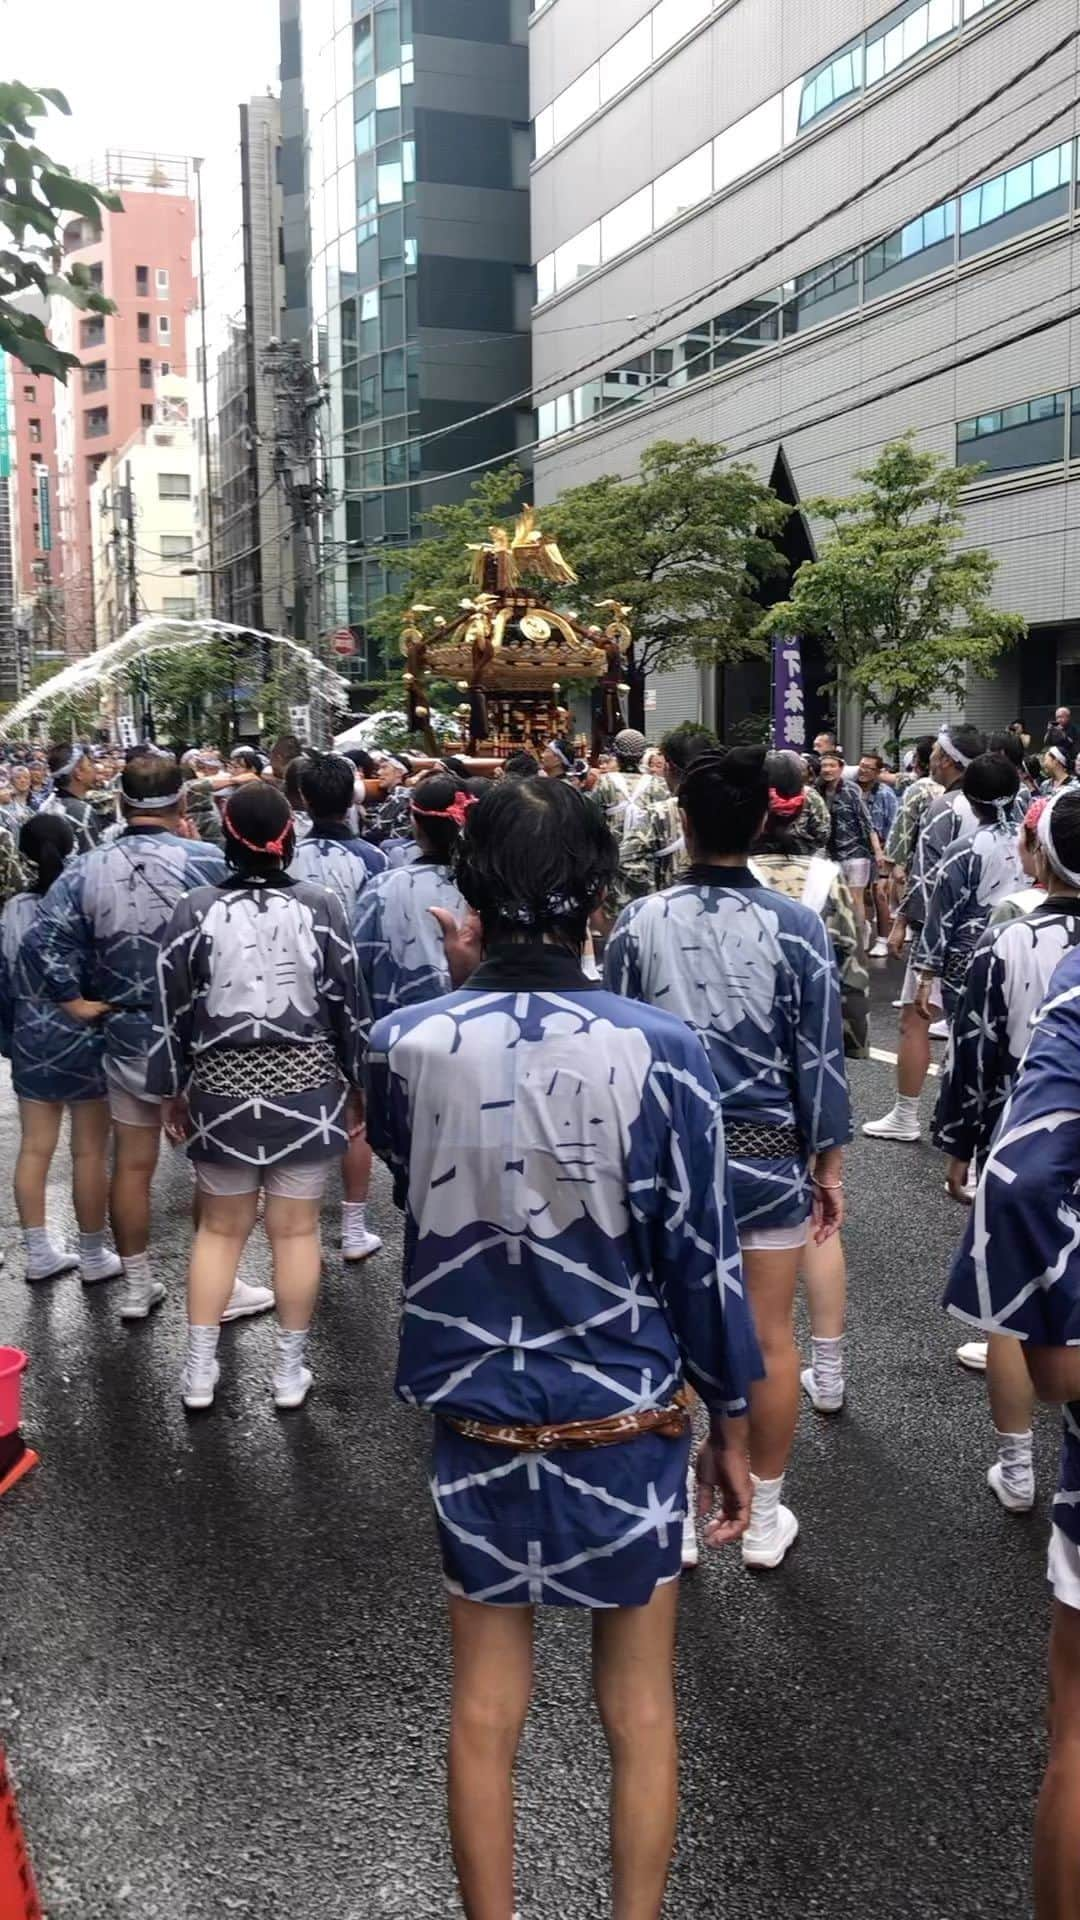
x,y
789,704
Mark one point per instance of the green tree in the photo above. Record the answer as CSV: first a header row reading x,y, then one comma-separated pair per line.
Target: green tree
x,y
903,608
687,544
70,716
35,195
191,689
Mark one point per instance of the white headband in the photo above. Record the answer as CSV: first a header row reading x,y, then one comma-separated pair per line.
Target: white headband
x,y
159,803
948,745
69,766
1055,753
1046,843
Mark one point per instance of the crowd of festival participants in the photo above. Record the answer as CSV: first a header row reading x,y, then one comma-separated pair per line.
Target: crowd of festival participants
x,y
595,1021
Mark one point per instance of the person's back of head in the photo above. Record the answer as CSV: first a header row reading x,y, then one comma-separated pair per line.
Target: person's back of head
x,y
64,760
1008,746
440,806
327,785
725,798
970,741
293,793
991,784
534,861
683,745
521,766
923,748
786,775
259,834
288,746
629,749
151,787
46,841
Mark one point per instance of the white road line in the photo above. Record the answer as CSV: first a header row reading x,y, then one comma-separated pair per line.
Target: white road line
x,y
889,1060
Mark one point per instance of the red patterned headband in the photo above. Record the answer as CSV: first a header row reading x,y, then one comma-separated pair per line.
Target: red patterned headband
x,y
275,848
458,811
786,806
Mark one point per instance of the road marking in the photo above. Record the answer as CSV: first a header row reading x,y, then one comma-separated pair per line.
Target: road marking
x,y
890,1059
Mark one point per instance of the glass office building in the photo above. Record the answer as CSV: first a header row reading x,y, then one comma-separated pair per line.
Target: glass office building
x,y
408,121
800,231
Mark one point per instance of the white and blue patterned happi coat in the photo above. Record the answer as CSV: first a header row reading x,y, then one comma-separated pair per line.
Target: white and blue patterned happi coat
x,y
247,965
754,974
100,928
400,947
53,1057
1018,1269
1007,982
974,875
570,1253
334,857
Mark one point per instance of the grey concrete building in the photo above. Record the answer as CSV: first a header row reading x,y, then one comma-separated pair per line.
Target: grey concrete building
x,y
417,152
798,230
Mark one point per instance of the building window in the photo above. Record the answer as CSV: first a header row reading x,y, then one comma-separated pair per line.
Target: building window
x,y
146,373
97,276
161,282
832,84
143,325
821,294
177,546
164,327
757,137
142,280
621,64
177,608
673,19
363,52
1026,196
683,187
34,429
1029,434
94,376
576,103
95,422
913,252
146,415
92,331
625,225
174,486
906,33
29,393
165,369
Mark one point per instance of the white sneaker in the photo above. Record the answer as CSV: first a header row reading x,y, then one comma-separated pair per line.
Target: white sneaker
x,y
245,1300
108,1266
879,950
939,1029
360,1246
197,1388
892,1127
138,1303
1017,1495
822,1402
52,1266
898,1003
291,1389
972,1355
690,1551
768,1549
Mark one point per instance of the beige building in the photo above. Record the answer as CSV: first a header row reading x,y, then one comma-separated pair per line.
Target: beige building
x,y
144,545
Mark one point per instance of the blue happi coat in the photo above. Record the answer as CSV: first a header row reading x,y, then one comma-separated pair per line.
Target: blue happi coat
x,y
754,974
400,947
974,874
335,858
53,1056
1018,1269
570,1254
100,929
1007,982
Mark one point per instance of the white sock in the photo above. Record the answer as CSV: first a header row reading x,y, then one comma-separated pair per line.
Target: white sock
x,y
201,1350
907,1107
763,1513
291,1348
353,1219
827,1361
39,1248
137,1271
92,1246
1016,1452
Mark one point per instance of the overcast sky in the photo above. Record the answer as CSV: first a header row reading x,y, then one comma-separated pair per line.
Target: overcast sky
x,y
139,75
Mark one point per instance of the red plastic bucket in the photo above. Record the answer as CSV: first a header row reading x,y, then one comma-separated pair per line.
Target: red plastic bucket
x,y
13,1364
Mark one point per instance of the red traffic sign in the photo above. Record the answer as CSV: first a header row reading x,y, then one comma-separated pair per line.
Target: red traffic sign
x,y
343,641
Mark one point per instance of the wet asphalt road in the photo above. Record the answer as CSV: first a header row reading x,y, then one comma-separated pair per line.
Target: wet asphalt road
x,y
223,1674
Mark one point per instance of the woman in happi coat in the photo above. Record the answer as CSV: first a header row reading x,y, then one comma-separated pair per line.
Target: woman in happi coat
x,y
1007,982
56,1065
261,1021
398,940
571,1261
754,974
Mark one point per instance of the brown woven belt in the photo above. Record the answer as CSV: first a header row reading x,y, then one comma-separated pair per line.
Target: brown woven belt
x,y
671,1421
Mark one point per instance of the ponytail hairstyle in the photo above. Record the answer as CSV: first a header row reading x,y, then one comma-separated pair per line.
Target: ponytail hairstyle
x,y
725,797
781,833
260,837
46,842
440,807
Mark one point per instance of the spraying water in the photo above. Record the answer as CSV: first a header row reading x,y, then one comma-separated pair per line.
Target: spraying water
x,y
326,689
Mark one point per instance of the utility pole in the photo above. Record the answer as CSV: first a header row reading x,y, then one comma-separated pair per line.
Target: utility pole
x,y
132,585
211,554
298,398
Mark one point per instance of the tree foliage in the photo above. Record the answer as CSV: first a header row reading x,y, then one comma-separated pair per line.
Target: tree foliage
x,y
35,195
903,608
686,544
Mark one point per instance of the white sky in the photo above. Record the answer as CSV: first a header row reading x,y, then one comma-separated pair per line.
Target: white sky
x,y
138,75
